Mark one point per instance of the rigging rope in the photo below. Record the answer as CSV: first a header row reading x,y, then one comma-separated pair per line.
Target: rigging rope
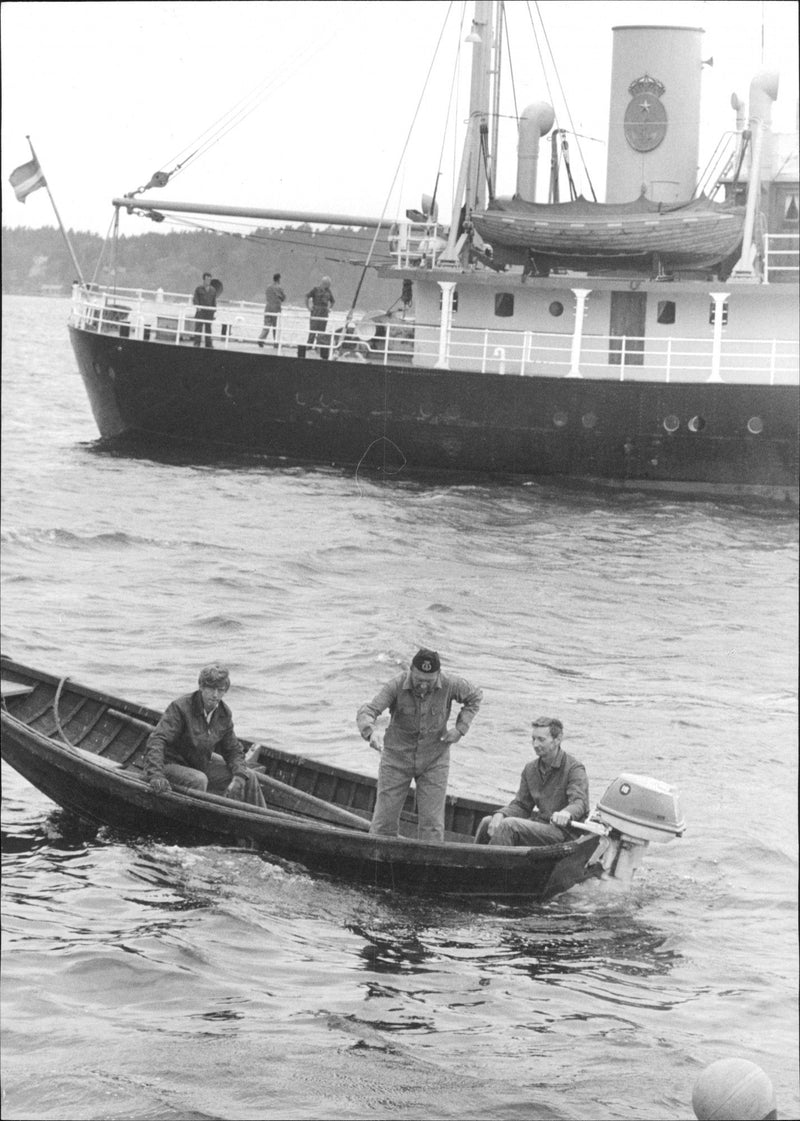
x,y
561,88
399,164
234,116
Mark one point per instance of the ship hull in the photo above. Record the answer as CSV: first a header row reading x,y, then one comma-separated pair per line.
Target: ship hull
x,y
433,420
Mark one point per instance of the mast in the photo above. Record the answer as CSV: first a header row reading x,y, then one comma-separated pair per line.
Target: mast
x,y
471,187
494,123
479,103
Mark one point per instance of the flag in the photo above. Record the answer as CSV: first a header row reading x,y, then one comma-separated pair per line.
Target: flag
x,y
27,179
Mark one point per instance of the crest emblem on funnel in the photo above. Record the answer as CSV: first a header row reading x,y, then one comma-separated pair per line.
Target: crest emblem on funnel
x,y
645,121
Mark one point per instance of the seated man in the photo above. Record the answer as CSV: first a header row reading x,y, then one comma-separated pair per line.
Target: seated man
x,y
195,747
553,791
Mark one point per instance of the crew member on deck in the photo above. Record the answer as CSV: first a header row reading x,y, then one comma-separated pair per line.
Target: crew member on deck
x,y
319,302
205,301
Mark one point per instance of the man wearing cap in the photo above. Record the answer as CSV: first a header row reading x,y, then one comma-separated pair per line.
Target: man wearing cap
x,y
195,747
553,791
417,742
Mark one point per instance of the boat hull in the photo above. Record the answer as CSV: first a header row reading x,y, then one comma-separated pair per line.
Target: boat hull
x,y
88,761
434,420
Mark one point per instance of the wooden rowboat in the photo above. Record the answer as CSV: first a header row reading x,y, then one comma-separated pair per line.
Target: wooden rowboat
x,y
84,749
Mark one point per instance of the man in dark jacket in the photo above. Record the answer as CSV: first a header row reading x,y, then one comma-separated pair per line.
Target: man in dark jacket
x,y
553,791
205,300
417,742
194,745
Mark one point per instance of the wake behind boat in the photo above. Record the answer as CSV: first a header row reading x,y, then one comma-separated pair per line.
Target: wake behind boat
x,y
84,749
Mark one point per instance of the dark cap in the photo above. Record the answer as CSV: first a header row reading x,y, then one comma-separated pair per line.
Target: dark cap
x,y
426,661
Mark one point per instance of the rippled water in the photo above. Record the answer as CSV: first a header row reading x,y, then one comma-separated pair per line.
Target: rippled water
x,y
143,981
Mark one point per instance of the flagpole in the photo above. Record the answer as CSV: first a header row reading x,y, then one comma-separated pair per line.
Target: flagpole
x,y
64,233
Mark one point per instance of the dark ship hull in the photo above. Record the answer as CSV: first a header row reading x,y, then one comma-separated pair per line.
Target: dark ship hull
x,y
434,420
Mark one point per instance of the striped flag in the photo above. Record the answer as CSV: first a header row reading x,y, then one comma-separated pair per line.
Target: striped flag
x,y
26,179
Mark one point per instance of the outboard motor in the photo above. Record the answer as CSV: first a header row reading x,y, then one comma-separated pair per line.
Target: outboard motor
x,y
634,811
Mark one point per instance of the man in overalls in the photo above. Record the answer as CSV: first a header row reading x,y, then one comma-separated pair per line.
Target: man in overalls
x,y
417,742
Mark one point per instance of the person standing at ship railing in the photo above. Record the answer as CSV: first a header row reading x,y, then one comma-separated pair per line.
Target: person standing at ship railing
x,y
319,301
205,301
275,297
417,742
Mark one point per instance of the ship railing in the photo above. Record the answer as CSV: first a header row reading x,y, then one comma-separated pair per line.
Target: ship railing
x,y
416,244
168,317
781,257
625,358
388,340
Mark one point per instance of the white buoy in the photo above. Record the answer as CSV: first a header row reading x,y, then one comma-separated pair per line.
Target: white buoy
x,y
734,1090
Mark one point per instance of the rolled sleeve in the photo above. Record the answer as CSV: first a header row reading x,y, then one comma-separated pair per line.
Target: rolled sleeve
x,y
470,698
366,716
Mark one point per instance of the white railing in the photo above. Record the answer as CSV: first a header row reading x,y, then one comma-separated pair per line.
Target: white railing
x,y
163,318
416,244
781,257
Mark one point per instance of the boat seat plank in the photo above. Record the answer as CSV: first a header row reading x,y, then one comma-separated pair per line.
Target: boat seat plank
x,y
14,689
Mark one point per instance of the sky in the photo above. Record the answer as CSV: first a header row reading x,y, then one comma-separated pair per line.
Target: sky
x,y
110,92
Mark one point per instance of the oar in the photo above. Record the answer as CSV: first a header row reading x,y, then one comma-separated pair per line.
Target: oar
x,y
282,794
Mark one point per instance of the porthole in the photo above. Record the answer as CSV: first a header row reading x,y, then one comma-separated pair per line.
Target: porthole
x,y
504,304
696,424
671,423
556,308
755,425
588,420
560,419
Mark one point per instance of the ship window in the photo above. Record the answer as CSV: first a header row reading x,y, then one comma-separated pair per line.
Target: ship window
x,y
790,213
560,419
666,311
556,308
755,425
671,423
696,424
504,304
588,420
712,313
454,303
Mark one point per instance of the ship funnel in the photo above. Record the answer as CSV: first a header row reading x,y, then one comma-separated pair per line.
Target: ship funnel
x,y
654,120
534,123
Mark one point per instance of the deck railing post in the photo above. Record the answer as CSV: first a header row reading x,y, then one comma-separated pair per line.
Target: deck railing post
x,y
719,299
581,295
445,322
669,360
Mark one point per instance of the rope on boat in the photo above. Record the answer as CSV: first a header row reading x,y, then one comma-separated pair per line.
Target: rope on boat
x,y
56,699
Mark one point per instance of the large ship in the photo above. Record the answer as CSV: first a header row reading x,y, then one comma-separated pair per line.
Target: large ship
x,y
648,342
